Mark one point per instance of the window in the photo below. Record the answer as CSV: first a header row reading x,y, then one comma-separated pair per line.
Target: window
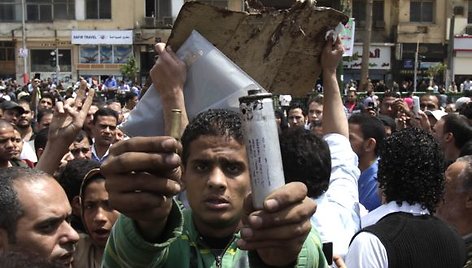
x,y
98,9
10,10
40,60
39,10
105,53
421,11
64,9
469,12
359,12
158,8
7,51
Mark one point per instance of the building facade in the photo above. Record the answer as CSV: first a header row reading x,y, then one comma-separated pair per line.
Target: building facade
x,y
90,37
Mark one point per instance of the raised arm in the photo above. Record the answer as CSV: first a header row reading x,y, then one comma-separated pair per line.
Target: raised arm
x,y
68,120
168,76
334,117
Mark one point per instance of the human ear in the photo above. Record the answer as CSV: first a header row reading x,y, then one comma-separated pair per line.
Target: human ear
x,y
369,145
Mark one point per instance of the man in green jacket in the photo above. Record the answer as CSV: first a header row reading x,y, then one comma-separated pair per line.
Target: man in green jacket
x,y
222,229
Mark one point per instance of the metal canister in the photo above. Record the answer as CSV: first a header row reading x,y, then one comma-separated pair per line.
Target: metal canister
x,y
262,145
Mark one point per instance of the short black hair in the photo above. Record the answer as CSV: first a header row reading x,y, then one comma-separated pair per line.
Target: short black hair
x,y
297,105
214,122
306,158
44,112
283,119
411,168
371,127
41,139
318,99
73,174
10,206
459,126
388,122
104,112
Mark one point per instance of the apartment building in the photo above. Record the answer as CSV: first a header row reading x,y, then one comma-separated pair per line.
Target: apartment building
x,y
91,37
402,28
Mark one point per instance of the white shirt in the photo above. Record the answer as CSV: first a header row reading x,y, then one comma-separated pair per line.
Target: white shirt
x,y
337,217
28,153
366,250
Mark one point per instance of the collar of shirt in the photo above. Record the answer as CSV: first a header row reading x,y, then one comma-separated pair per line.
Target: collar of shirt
x,y
375,215
94,153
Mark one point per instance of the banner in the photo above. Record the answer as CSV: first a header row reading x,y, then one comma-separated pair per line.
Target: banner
x,y
102,37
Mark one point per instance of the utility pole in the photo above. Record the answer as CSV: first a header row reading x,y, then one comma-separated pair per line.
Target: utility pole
x,y
415,72
366,46
23,33
450,53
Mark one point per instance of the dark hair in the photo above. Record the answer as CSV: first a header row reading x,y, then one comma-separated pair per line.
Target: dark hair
x,y
41,139
306,158
104,112
283,119
214,122
459,126
44,112
82,135
299,105
466,110
46,95
318,99
466,149
128,96
371,127
10,206
20,101
74,172
411,168
390,94
388,122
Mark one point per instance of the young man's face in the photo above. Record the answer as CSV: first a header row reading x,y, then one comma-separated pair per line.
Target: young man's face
x,y
7,146
44,227
216,177
104,130
18,144
356,138
315,112
81,149
26,117
430,103
44,122
386,107
98,216
296,118
45,103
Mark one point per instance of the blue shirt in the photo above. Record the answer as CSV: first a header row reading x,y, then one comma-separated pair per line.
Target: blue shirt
x,y
368,187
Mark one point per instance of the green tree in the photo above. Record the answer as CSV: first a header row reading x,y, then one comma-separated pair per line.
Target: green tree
x,y
130,69
435,70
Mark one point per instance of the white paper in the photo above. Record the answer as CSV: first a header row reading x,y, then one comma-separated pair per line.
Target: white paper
x,y
213,81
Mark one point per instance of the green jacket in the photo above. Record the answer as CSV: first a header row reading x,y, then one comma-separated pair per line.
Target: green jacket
x,y
182,248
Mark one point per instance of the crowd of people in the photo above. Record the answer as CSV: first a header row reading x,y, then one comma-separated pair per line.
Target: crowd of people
x,y
371,182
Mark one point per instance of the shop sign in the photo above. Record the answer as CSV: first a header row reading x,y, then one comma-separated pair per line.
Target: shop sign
x,y
102,37
379,58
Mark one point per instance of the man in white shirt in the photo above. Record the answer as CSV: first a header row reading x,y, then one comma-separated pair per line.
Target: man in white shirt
x,y
401,232
327,166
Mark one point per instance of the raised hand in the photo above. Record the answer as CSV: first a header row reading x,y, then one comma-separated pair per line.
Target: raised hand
x,y
278,231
